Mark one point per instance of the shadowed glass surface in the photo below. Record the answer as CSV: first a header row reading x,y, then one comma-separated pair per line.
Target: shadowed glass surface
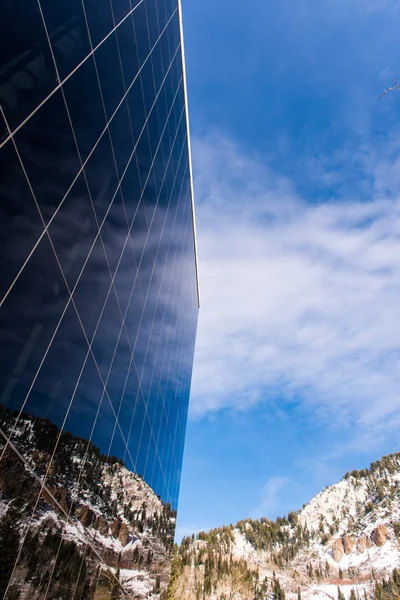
x,y
98,293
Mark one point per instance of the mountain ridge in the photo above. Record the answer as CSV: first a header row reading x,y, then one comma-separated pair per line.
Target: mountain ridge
x,y
347,534
68,509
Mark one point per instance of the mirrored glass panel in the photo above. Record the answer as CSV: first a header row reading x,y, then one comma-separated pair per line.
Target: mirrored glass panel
x,y
98,297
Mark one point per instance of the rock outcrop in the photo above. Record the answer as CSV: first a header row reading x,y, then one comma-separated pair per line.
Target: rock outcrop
x,y
380,535
363,543
115,527
86,516
101,525
337,550
349,541
123,535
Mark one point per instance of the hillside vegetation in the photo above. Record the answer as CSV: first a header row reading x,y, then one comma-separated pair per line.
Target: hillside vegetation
x,y
343,543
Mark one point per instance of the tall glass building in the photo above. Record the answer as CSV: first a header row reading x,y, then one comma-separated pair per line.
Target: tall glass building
x,y
98,295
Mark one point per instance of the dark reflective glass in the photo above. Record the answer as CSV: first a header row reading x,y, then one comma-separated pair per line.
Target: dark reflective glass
x,y
99,18
105,342
49,154
66,26
109,67
73,231
122,137
99,318
144,157
163,14
94,283
53,389
148,86
121,8
120,381
135,430
141,33
102,177
131,187
143,446
28,320
157,65
152,21
21,225
88,118
136,108
128,51
114,231
125,277
27,73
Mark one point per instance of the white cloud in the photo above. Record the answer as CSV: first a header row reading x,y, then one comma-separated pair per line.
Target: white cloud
x,y
271,500
298,299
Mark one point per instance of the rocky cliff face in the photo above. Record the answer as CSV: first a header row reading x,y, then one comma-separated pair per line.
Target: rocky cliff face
x,y
347,535
94,531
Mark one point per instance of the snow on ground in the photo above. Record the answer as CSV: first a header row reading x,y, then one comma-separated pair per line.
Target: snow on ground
x,y
137,582
326,503
243,549
330,590
384,557
3,508
350,494
134,489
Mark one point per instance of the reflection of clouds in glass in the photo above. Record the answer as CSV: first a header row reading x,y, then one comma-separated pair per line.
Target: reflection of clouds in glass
x,y
154,323
96,324
131,284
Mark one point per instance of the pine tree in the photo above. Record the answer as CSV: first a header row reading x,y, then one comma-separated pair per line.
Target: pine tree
x,y
327,569
157,585
277,590
9,544
115,587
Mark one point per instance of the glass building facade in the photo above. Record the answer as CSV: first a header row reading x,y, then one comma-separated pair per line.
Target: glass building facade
x,y
98,295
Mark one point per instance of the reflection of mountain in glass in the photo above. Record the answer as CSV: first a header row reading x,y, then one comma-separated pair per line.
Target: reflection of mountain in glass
x,y
98,295
94,531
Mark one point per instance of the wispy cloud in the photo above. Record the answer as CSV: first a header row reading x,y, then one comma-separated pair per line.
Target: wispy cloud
x,y
271,498
300,300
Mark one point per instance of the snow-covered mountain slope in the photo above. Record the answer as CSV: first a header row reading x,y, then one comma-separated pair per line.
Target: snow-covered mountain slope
x,y
94,520
347,535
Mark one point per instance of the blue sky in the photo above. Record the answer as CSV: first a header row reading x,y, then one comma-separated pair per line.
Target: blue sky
x,y
297,180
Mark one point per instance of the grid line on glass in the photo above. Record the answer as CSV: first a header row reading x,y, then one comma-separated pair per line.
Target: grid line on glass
x,y
70,299
162,396
173,227
154,337
132,362
78,174
155,362
61,83
94,359
122,70
112,145
170,359
139,390
150,333
82,270
151,330
49,492
132,355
